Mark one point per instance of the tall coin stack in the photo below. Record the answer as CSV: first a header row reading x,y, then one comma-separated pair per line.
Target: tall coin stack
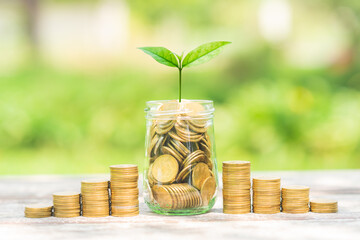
x,y
124,190
236,187
38,210
295,199
323,206
66,204
95,198
266,195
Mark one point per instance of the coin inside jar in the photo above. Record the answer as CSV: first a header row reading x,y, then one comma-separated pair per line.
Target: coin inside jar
x,y
165,169
199,174
208,189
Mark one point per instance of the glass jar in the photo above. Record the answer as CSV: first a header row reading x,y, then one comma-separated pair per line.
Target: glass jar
x,y
180,171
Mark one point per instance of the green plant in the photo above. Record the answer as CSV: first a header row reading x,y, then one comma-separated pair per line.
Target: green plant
x,y
199,55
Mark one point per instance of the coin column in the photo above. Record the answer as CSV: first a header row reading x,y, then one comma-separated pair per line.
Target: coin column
x,y
295,199
124,190
66,204
236,187
95,198
38,211
323,206
266,195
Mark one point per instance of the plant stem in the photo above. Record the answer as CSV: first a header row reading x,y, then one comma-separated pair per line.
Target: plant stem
x,y
180,69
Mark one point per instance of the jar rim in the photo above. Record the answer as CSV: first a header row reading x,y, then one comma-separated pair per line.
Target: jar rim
x,y
188,108
205,101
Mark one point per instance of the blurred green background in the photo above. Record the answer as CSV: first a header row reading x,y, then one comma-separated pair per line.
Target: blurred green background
x,y
73,86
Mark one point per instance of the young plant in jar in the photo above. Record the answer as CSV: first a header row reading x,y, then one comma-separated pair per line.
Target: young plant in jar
x,y
180,171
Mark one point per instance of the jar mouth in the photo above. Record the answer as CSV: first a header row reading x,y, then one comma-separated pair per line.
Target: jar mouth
x,y
194,109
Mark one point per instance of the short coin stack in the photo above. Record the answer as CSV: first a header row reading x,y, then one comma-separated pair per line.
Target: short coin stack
x,y
38,210
266,195
66,204
295,199
323,206
236,187
124,190
95,198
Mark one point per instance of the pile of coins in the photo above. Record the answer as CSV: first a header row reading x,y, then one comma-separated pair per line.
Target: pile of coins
x,y
66,204
38,210
323,206
177,196
179,153
95,198
124,190
266,195
295,199
236,187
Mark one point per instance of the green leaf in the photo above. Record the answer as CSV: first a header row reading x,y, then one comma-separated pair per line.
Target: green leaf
x,y
161,55
203,53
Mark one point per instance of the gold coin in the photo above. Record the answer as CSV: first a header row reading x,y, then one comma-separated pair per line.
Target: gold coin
x,y
180,195
162,196
163,126
174,135
266,179
104,214
208,190
172,152
161,141
190,157
165,169
125,185
200,173
196,158
39,207
205,148
152,144
187,136
65,215
236,163
322,201
98,181
324,210
295,188
179,147
192,108
175,196
186,197
125,167
198,126
172,105
43,215
66,195
183,174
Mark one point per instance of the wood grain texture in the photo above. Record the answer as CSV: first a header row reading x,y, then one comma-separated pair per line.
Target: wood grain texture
x,y
344,186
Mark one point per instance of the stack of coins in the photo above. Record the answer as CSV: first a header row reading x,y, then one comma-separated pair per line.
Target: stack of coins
x,y
38,210
176,196
66,204
323,206
236,187
95,198
124,190
295,199
266,195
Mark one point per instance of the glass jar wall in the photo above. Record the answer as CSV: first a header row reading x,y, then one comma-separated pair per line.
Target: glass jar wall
x,y
180,172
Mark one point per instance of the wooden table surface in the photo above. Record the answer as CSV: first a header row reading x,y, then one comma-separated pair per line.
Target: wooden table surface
x,y
342,185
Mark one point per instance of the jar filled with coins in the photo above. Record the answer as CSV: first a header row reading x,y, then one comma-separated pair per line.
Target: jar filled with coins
x,y
180,172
